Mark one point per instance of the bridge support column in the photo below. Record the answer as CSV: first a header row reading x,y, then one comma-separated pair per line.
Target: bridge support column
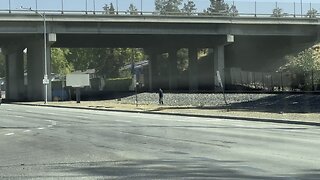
x,y
218,53
14,74
193,69
173,69
153,70
35,68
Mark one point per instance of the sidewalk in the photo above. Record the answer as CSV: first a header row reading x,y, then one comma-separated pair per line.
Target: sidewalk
x,y
208,112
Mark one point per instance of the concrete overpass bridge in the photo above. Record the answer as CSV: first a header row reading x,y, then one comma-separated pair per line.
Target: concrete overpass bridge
x,y
246,42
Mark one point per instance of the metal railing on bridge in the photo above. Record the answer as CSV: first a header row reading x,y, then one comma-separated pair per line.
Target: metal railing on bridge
x,y
147,7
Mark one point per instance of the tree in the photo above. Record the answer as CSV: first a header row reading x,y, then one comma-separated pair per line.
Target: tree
x,y
303,65
233,11
189,8
2,66
106,61
219,7
60,65
167,6
133,10
277,12
109,9
312,13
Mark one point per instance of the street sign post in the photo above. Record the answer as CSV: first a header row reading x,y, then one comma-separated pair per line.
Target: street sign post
x,y
221,85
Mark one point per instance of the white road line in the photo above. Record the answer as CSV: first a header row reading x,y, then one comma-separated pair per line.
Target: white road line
x,y
52,123
84,117
123,121
9,134
25,131
40,128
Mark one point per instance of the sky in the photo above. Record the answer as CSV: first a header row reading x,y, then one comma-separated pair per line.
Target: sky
x,y
244,6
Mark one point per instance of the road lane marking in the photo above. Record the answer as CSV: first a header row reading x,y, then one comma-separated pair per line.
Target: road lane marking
x,y
52,123
83,117
40,128
25,131
123,121
9,134
19,116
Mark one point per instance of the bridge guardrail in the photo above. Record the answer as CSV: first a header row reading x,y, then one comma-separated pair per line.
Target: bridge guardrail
x,y
147,7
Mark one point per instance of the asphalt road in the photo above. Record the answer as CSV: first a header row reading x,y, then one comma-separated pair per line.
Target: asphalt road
x,y
56,143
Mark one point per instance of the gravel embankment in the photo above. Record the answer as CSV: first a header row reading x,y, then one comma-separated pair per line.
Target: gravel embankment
x,y
294,103
172,99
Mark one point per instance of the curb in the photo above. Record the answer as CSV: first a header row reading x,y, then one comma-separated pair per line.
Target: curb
x,y
280,121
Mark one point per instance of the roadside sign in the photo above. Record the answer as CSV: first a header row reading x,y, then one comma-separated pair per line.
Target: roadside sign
x,y
78,80
45,81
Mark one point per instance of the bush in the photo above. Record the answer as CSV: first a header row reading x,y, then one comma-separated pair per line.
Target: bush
x,y
118,84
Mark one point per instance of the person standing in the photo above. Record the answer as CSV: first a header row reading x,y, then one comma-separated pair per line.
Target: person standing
x,y
160,96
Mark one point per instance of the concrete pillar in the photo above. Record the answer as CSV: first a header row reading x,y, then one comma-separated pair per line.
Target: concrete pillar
x,y
173,69
193,70
152,69
218,53
35,69
15,90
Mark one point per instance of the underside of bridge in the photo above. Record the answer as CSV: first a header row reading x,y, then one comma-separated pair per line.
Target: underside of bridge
x,y
252,53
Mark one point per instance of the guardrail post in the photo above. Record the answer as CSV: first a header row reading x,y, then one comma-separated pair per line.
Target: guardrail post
x,y
94,6
36,5
86,6
301,7
61,6
255,8
310,9
9,6
117,7
141,7
294,9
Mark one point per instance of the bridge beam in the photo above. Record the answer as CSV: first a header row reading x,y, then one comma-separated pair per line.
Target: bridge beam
x,y
35,69
15,88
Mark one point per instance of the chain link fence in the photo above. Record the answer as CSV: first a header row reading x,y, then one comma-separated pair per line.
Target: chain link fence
x,y
147,7
274,81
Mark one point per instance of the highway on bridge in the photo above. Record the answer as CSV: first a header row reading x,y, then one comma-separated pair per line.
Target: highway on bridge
x,y
52,143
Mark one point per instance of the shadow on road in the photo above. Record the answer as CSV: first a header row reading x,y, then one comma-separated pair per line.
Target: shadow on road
x,y
196,168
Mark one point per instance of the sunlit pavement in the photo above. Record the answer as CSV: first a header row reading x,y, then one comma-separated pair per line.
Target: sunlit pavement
x,y
53,143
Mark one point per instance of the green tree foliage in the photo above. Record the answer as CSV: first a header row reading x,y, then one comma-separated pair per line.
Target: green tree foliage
x,y
304,65
167,6
312,13
183,59
219,7
278,12
189,8
133,10
109,9
60,65
2,66
106,61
